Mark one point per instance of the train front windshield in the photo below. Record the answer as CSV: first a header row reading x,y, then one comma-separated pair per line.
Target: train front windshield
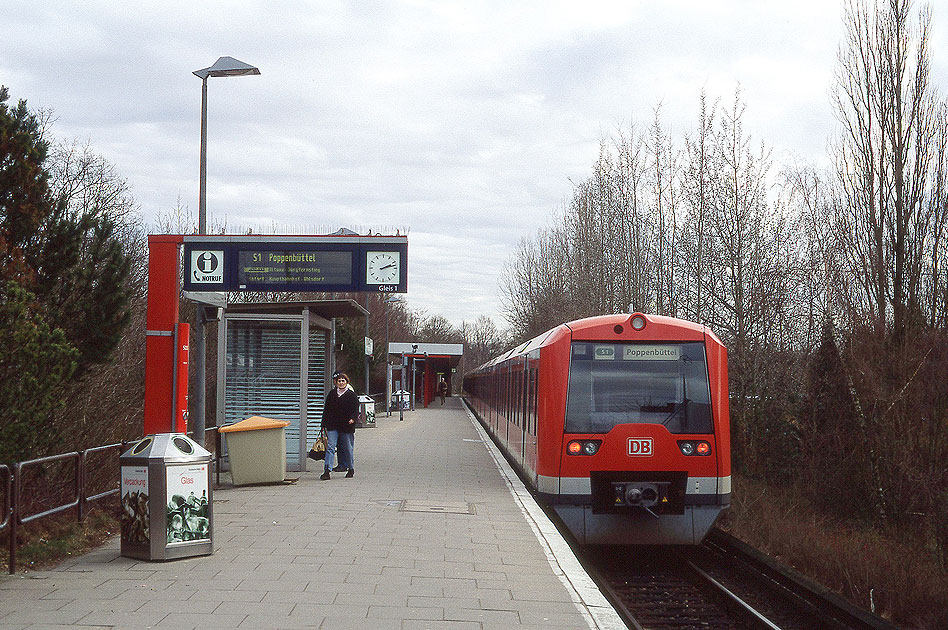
x,y
612,384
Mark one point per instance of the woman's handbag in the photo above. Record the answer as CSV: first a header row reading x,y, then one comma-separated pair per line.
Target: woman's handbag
x,y
319,447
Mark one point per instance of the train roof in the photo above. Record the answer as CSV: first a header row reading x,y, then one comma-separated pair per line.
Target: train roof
x,y
591,324
623,318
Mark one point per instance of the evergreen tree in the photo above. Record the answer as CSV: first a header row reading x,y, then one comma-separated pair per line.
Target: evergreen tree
x,y
80,270
24,187
36,362
63,287
69,258
829,433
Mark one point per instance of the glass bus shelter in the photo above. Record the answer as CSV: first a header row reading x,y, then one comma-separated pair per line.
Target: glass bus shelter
x,y
276,360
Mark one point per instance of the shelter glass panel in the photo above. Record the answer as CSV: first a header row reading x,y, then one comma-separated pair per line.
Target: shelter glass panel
x,y
263,374
315,383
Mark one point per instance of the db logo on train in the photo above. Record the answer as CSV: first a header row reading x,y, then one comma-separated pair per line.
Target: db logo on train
x,y
640,447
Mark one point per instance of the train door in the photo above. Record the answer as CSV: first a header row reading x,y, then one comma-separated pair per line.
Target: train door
x,y
522,405
530,423
506,418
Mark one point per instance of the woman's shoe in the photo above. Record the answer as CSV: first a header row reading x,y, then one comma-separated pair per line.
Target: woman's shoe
x,y
351,473
325,475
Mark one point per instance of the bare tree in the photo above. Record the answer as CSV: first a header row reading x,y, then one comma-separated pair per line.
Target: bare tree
x,y
535,288
482,342
885,163
695,189
634,269
663,176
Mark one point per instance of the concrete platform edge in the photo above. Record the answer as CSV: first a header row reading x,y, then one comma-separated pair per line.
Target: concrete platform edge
x,y
586,596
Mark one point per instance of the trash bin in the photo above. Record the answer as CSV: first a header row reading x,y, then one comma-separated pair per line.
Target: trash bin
x,y
401,399
256,448
366,412
167,503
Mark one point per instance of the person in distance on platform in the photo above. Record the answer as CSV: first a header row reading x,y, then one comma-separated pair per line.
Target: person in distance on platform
x,y
339,420
339,467
442,389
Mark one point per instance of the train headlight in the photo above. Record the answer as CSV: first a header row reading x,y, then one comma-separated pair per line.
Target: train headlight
x,y
695,447
583,447
638,322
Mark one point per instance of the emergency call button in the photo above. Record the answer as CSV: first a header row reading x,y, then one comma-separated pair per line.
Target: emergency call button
x,y
207,267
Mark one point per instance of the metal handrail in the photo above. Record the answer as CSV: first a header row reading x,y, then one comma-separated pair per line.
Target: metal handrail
x,y
74,502
83,499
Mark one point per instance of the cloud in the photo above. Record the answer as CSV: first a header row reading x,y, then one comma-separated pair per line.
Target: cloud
x,y
465,121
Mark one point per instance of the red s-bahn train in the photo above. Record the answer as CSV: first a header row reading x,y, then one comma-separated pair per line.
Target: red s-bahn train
x,y
619,423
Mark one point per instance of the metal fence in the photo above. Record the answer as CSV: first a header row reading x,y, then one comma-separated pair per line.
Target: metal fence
x,y
12,480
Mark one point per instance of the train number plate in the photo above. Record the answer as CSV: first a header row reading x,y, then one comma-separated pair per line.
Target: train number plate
x,y
640,447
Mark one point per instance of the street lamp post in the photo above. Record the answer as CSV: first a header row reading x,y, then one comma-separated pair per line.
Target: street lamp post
x,y
414,351
401,395
223,67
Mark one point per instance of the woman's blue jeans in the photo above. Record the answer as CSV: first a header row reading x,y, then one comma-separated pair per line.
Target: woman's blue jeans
x,y
345,443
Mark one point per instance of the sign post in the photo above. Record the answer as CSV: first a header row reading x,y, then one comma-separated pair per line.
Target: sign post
x,y
220,263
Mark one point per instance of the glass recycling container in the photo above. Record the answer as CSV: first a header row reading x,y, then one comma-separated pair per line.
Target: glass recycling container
x,y
366,412
167,503
401,399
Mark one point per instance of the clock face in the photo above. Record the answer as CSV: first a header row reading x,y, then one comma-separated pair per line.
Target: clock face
x,y
382,267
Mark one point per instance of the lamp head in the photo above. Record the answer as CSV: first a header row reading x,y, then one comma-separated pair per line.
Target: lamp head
x,y
227,67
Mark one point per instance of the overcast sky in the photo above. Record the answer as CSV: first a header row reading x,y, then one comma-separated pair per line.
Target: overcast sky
x,y
464,122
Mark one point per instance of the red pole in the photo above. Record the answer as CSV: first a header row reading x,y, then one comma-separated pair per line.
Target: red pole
x,y
161,319
181,388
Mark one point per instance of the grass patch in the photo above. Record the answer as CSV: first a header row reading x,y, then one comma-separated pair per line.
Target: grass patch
x,y
871,566
48,542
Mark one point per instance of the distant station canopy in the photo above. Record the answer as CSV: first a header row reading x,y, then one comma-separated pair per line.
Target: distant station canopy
x,y
431,362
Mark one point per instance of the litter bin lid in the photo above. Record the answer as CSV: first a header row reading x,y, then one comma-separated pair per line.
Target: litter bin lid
x,y
176,447
254,423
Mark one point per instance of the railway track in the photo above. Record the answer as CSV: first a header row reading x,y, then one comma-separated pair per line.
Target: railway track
x,y
722,584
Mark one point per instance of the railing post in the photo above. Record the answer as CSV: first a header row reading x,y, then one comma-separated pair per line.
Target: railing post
x,y
14,514
81,486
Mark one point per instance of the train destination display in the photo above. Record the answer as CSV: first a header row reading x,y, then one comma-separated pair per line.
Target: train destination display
x,y
374,264
293,267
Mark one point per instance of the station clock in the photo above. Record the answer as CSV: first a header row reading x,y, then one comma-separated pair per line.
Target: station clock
x,y
382,267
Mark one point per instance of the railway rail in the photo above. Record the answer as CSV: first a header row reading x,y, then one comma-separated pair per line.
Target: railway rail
x,y
722,584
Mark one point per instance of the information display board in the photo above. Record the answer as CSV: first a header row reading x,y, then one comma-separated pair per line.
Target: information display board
x,y
377,264
293,267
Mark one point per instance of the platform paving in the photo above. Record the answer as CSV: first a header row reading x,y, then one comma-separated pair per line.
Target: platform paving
x,y
433,532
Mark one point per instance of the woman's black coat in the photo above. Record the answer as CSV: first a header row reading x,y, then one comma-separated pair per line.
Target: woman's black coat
x,y
338,410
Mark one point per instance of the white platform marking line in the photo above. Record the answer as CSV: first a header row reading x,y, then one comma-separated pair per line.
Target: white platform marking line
x,y
586,596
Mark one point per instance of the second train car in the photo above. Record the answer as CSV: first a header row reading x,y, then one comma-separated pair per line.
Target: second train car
x,y
619,423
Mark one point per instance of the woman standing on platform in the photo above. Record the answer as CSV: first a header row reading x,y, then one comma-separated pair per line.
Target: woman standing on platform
x,y
339,419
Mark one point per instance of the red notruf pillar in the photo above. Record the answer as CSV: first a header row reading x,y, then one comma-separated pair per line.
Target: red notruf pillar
x,y
182,351
161,319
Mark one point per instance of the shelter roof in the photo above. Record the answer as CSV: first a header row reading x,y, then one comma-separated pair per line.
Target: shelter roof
x,y
421,349
324,308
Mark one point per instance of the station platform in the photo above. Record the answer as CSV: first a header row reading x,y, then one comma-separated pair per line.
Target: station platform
x,y
435,531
